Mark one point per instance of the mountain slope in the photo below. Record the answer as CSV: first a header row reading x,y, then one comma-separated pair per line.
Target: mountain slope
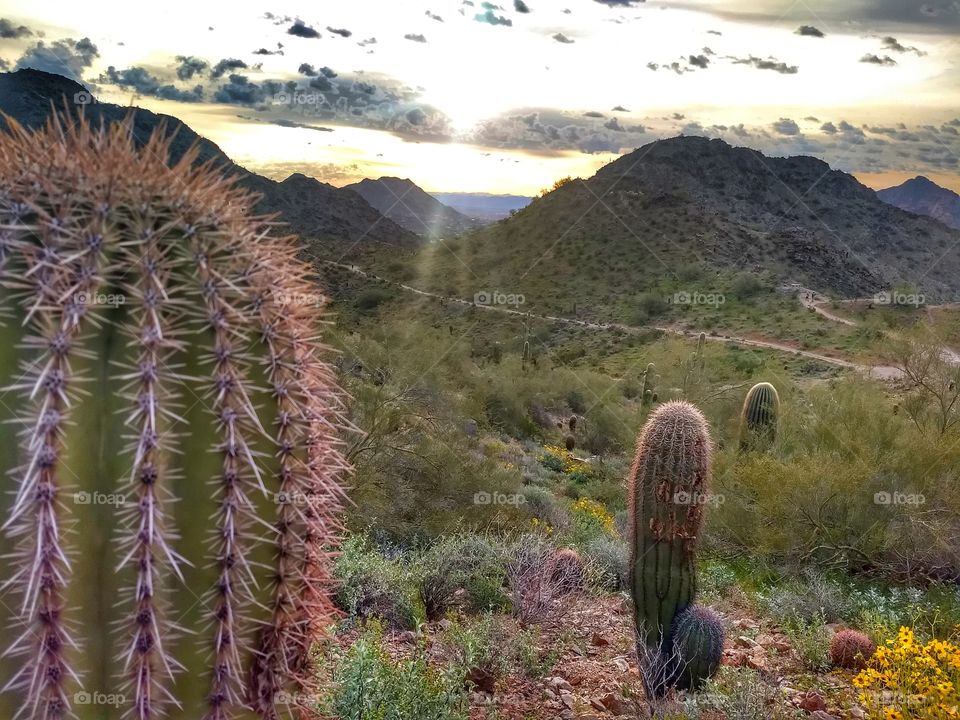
x,y
314,210
924,197
406,204
685,214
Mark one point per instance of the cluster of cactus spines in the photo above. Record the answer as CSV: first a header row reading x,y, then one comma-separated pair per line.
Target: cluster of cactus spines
x,y
760,416
207,369
697,646
649,393
668,480
851,649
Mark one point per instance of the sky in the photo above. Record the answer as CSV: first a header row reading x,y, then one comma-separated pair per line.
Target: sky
x,y
508,97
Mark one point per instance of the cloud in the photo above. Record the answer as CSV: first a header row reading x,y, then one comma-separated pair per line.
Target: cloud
x,y
700,61
891,43
190,66
619,108
809,31
264,51
144,83
620,3
342,32
300,29
877,60
64,57
786,126
593,114
561,38
9,31
829,128
434,16
491,18
415,37
240,91
767,64
227,65
369,41
520,6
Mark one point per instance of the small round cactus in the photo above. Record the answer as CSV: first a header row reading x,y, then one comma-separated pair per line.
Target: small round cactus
x,y
760,416
570,442
851,649
566,571
697,646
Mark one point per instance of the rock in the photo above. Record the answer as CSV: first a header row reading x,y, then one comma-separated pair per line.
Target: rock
x,y
616,704
599,640
559,683
483,680
858,713
744,642
409,636
823,715
812,702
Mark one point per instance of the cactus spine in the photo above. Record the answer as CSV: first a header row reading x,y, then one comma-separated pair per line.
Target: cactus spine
x,y
668,480
160,360
760,416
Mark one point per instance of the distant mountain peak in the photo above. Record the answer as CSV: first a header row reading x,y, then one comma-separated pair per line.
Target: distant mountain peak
x,y
922,196
404,202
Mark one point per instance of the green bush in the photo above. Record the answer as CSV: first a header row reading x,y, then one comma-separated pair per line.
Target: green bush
x,y
373,586
811,640
606,563
465,562
367,683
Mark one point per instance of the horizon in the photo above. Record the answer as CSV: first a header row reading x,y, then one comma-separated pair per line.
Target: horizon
x,y
526,93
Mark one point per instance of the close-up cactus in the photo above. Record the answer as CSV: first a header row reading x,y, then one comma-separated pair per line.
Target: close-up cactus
x,y
667,484
760,416
171,472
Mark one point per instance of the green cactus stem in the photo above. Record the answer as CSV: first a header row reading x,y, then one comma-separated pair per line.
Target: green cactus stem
x,y
760,416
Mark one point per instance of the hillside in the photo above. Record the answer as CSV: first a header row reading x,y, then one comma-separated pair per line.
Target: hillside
x,y
688,214
924,197
409,206
312,209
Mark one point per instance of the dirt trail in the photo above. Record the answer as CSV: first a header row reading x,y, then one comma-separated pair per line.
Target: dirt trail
x,y
882,372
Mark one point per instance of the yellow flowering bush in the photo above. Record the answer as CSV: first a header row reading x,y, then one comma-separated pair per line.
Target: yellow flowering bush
x,y
591,519
909,680
562,460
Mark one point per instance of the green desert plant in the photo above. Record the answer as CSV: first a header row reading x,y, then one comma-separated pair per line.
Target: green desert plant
x,y
174,487
760,415
667,483
649,385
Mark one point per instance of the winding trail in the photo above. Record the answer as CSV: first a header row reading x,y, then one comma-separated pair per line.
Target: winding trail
x,y
808,298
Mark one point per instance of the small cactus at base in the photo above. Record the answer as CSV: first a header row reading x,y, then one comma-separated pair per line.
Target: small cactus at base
x,y
851,649
760,416
173,495
566,571
698,638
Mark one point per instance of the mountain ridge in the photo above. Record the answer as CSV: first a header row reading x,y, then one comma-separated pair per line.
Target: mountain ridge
x,y
922,196
404,202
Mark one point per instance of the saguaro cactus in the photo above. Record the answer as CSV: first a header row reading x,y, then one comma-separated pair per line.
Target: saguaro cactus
x,y
649,385
760,415
173,491
667,486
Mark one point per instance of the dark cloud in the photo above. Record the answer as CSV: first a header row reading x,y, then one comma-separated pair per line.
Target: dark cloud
x,y
491,18
434,16
891,43
241,91
227,65
700,61
520,6
276,19
877,60
306,69
64,57
368,41
415,37
561,38
342,32
767,64
144,83
300,29
593,114
809,31
619,108
829,128
4,65
416,116
621,3
189,66
714,32
9,31
321,83
811,118
786,126
264,51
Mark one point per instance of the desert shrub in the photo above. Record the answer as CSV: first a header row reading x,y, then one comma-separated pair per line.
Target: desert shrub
x,y
811,597
736,693
540,503
369,300
606,563
480,651
810,637
528,656
373,586
534,596
714,579
589,520
365,682
465,562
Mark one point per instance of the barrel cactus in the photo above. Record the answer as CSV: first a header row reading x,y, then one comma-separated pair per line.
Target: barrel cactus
x,y
760,415
173,491
667,485
697,646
